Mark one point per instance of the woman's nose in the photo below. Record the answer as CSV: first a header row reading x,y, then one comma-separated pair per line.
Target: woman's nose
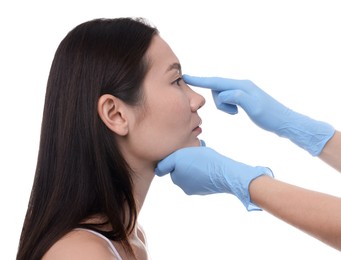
x,y
196,100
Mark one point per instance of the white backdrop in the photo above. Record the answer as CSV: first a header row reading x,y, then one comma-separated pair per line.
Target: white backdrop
x,y
289,48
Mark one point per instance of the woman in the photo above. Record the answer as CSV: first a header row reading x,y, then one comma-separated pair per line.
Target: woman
x,y
113,90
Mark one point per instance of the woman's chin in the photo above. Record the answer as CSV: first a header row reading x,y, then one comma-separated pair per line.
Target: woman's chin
x,y
198,142
195,143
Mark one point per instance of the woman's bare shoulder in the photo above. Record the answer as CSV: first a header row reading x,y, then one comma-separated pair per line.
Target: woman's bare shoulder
x,y
141,234
80,244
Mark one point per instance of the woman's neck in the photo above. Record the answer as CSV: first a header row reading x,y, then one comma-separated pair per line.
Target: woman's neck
x,y
142,180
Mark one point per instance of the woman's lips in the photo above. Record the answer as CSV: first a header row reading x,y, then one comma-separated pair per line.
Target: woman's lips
x,y
197,129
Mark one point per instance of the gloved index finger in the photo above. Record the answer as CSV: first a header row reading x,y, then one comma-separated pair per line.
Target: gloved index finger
x,y
213,83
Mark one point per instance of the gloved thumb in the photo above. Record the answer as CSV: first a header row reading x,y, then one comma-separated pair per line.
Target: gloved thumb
x,y
222,103
202,143
166,165
235,97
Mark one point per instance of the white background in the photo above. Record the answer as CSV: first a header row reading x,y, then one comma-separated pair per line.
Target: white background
x,y
291,49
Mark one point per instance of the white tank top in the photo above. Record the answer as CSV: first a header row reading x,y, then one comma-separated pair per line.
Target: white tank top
x,y
106,239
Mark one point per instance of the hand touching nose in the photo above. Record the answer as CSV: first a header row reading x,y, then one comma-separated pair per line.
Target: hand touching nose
x,y
265,111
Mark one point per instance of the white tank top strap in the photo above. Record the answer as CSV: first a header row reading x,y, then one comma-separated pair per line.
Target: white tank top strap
x,y
105,238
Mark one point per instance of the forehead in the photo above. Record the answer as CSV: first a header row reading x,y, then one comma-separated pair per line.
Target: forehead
x,y
160,55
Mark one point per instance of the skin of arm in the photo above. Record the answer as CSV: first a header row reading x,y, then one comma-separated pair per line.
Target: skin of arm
x,y
331,153
314,213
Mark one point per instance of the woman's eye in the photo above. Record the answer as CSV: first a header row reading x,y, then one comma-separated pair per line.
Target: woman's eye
x,y
177,81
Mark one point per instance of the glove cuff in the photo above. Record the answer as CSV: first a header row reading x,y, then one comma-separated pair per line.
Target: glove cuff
x,y
245,197
307,133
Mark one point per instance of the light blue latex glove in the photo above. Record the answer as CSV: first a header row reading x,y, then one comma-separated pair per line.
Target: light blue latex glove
x,y
266,112
202,171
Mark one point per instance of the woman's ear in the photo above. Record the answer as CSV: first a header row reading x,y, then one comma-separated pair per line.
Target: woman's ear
x,y
112,112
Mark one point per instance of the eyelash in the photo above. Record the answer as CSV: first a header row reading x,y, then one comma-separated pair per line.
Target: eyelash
x,y
177,81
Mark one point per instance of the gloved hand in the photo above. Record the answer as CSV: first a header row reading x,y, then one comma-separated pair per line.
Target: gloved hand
x,y
201,171
266,112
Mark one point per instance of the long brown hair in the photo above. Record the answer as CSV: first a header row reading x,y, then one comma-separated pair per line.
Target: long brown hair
x,y
80,169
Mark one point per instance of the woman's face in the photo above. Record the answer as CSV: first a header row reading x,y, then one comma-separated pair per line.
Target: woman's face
x,y
168,119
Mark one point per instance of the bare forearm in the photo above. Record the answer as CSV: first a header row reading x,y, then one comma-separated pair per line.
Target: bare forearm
x,y
315,213
331,153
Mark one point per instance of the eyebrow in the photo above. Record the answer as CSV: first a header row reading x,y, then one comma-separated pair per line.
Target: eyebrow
x,y
174,66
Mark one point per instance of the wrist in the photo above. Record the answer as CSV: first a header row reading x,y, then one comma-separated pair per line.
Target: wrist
x,y
257,188
259,173
307,133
